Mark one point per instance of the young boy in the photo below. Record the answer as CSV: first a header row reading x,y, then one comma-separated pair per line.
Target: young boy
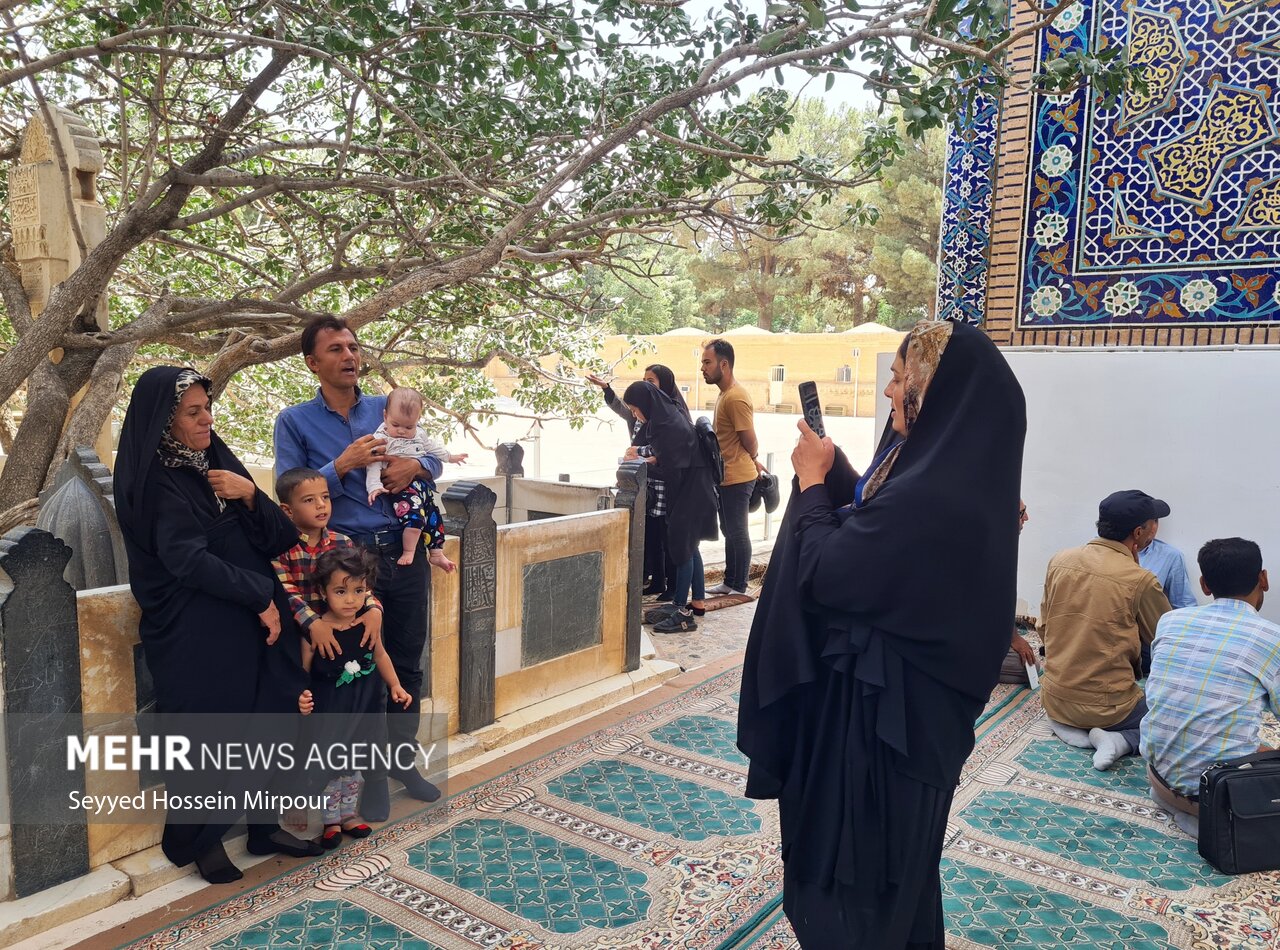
x,y
303,495
415,507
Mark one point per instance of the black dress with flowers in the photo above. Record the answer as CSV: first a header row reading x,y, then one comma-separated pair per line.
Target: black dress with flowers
x,y
350,702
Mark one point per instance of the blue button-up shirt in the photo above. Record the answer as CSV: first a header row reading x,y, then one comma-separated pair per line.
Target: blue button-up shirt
x,y
1165,562
312,435
1213,669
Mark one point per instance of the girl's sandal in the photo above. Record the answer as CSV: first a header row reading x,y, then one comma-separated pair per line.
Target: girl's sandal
x,y
358,831
331,838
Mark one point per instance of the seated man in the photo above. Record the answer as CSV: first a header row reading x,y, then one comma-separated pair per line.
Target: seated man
x,y
1213,669
1021,655
1099,607
1166,563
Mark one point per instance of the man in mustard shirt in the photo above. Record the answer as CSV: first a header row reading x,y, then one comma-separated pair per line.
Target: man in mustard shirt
x,y
735,430
1100,607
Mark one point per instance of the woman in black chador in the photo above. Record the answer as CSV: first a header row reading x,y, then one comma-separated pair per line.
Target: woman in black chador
x,y
659,569
878,638
200,537
690,490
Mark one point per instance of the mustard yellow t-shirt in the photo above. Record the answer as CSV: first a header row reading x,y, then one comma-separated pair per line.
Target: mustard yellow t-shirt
x,y
734,414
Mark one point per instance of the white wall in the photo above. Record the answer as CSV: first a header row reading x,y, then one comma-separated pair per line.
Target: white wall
x,y
1195,427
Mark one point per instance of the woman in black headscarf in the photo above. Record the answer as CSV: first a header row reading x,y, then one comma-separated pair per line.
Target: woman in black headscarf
x,y
878,638
690,496
200,537
659,569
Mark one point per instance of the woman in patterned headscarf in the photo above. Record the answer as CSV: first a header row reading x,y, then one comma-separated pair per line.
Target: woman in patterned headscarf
x,y
878,638
200,537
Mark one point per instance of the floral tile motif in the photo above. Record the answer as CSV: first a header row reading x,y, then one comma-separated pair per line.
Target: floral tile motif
x,y
711,736
682,809
1055,758
534,875
1162,208
1098,841
994,910
968,189
331,924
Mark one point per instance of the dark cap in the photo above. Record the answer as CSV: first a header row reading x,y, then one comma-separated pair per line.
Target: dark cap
x,y
1128,509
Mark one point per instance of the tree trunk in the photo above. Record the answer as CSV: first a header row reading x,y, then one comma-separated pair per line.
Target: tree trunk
x,y
766,290
49,391
93,411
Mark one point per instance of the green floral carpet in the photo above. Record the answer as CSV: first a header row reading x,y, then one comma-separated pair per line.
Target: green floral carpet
x,y
637,836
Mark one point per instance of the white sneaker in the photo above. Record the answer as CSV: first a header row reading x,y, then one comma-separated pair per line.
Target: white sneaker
x,y
1111,746
1077,738
721,589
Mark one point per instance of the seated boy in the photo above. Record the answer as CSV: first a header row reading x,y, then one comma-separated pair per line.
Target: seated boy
x,y
1212,670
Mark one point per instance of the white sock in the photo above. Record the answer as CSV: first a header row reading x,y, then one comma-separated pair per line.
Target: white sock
x,y
1111,747
1189,824
1078,738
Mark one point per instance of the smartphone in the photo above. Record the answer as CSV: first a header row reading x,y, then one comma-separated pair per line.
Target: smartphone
x,y
811,408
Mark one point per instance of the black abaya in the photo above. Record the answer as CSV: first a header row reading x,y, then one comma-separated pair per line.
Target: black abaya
x,y
877,639
201,574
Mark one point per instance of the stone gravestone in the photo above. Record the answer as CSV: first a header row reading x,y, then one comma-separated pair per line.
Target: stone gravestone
x,y
562,607
510,457
79,509
469,515
633,494
56,216
40,647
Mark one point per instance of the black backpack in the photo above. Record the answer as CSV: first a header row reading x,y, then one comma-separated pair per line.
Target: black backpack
x,y
710,447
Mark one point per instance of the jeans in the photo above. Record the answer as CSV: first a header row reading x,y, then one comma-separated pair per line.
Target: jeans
x,y
689,573
734,501
1128,727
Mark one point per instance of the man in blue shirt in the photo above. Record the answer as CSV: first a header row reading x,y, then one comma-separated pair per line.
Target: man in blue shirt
x,y
1166,563
1215,669
333,434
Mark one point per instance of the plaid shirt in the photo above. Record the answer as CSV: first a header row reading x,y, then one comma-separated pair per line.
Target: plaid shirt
x,y
296,569
1212,670
657,487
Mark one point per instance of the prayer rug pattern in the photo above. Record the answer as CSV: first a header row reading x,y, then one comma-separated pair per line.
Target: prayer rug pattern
x,y
637,837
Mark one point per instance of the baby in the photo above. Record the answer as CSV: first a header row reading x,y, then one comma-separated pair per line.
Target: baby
x,y
415,508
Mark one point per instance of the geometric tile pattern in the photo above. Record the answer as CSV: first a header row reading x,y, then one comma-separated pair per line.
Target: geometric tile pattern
x,y
558,886
334,924
708,736
685,810
994,910
967,194
1055,758
1094,841
1158,208
561,853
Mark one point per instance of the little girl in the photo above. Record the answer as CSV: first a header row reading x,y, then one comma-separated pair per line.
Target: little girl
x,y
415,507
344,689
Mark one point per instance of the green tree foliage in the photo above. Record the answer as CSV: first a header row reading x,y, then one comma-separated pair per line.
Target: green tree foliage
x,y
438,172
850,254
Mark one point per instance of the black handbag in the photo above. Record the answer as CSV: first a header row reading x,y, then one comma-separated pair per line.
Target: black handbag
x,y
1240,814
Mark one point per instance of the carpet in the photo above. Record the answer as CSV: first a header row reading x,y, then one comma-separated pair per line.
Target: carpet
x,y
728,600
637,836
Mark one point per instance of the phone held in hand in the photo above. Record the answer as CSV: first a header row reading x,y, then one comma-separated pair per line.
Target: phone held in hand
x,y
811,408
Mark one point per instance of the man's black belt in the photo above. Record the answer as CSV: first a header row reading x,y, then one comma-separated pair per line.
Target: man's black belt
x,y
378,540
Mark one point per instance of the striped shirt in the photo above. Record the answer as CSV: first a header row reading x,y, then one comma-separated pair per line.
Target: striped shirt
x,y
1213,668
296,569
